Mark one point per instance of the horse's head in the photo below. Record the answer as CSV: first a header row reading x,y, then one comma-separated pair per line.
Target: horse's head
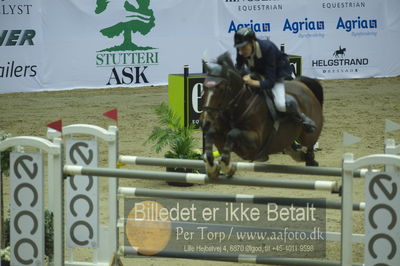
x,y
222,84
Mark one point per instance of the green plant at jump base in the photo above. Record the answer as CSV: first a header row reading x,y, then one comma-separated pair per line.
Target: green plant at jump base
x,y
5,155
171,133
4,169
180,140
5,254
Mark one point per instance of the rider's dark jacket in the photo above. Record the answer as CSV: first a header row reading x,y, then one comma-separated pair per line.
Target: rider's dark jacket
x,y
268,61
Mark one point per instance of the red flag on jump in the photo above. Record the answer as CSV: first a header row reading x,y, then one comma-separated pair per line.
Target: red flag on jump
x,y
57,125
112,114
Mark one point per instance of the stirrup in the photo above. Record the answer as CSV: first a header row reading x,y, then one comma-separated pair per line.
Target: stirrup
x,y
309,128
308,124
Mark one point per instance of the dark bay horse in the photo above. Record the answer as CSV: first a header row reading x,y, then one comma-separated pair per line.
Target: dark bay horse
x,y
236,119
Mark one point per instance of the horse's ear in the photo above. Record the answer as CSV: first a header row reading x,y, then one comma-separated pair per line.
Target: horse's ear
x,y
205,67
225,59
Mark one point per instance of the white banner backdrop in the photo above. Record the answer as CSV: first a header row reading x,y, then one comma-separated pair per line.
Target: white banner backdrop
x,y
65,44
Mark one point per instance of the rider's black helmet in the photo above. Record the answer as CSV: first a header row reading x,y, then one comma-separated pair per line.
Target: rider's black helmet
x,y
243,36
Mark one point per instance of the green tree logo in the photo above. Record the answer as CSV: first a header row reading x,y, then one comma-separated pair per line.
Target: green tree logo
x,y
140,19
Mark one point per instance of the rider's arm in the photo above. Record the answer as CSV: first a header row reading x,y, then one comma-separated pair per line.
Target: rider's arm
x,y
267,67
251,82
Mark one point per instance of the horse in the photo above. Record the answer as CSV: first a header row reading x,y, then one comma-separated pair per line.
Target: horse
x,y
237,119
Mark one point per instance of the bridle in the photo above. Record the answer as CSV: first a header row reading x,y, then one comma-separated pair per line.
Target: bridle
x,y
231,105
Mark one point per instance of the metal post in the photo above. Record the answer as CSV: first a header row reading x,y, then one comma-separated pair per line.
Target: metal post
x,y
185,95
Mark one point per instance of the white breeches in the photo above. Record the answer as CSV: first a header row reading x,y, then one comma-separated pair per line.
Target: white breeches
x,y
279,94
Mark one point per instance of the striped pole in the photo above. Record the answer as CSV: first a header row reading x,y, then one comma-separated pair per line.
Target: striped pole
x,y
256,167
191,195
244,258
331,186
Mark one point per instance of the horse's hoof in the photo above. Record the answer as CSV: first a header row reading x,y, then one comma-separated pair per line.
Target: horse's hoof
x,y
231,172
228,170
213,174
312,163
213,171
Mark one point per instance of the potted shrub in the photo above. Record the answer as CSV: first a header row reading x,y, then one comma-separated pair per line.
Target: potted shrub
x,y
5,155
178,138
5,256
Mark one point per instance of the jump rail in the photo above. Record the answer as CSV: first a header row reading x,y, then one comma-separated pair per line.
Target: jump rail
x,y
391,148
331,186
176,194
256,167
236,258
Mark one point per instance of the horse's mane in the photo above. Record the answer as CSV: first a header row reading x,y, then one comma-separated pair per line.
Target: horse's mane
x,y
225,60
231,72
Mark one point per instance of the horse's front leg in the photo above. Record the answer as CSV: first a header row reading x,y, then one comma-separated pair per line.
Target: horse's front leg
x,y
212,167
226,165
309,157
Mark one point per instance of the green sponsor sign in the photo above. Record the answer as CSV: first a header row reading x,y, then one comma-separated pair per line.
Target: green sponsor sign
x,y
185,96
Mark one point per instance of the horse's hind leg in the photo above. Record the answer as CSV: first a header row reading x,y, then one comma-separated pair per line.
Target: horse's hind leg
x,y
226,166
297,155
309,157
300,155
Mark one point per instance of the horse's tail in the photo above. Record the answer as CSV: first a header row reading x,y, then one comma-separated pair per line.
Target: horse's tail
x,y
315,87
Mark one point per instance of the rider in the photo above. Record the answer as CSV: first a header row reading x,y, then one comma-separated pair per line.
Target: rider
x,y
266,60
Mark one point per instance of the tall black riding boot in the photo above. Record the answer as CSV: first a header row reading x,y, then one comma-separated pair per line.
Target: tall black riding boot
x,y
293,110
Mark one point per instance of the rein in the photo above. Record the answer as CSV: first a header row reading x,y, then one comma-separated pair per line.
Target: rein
x,y
251,104
239,96
234,103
